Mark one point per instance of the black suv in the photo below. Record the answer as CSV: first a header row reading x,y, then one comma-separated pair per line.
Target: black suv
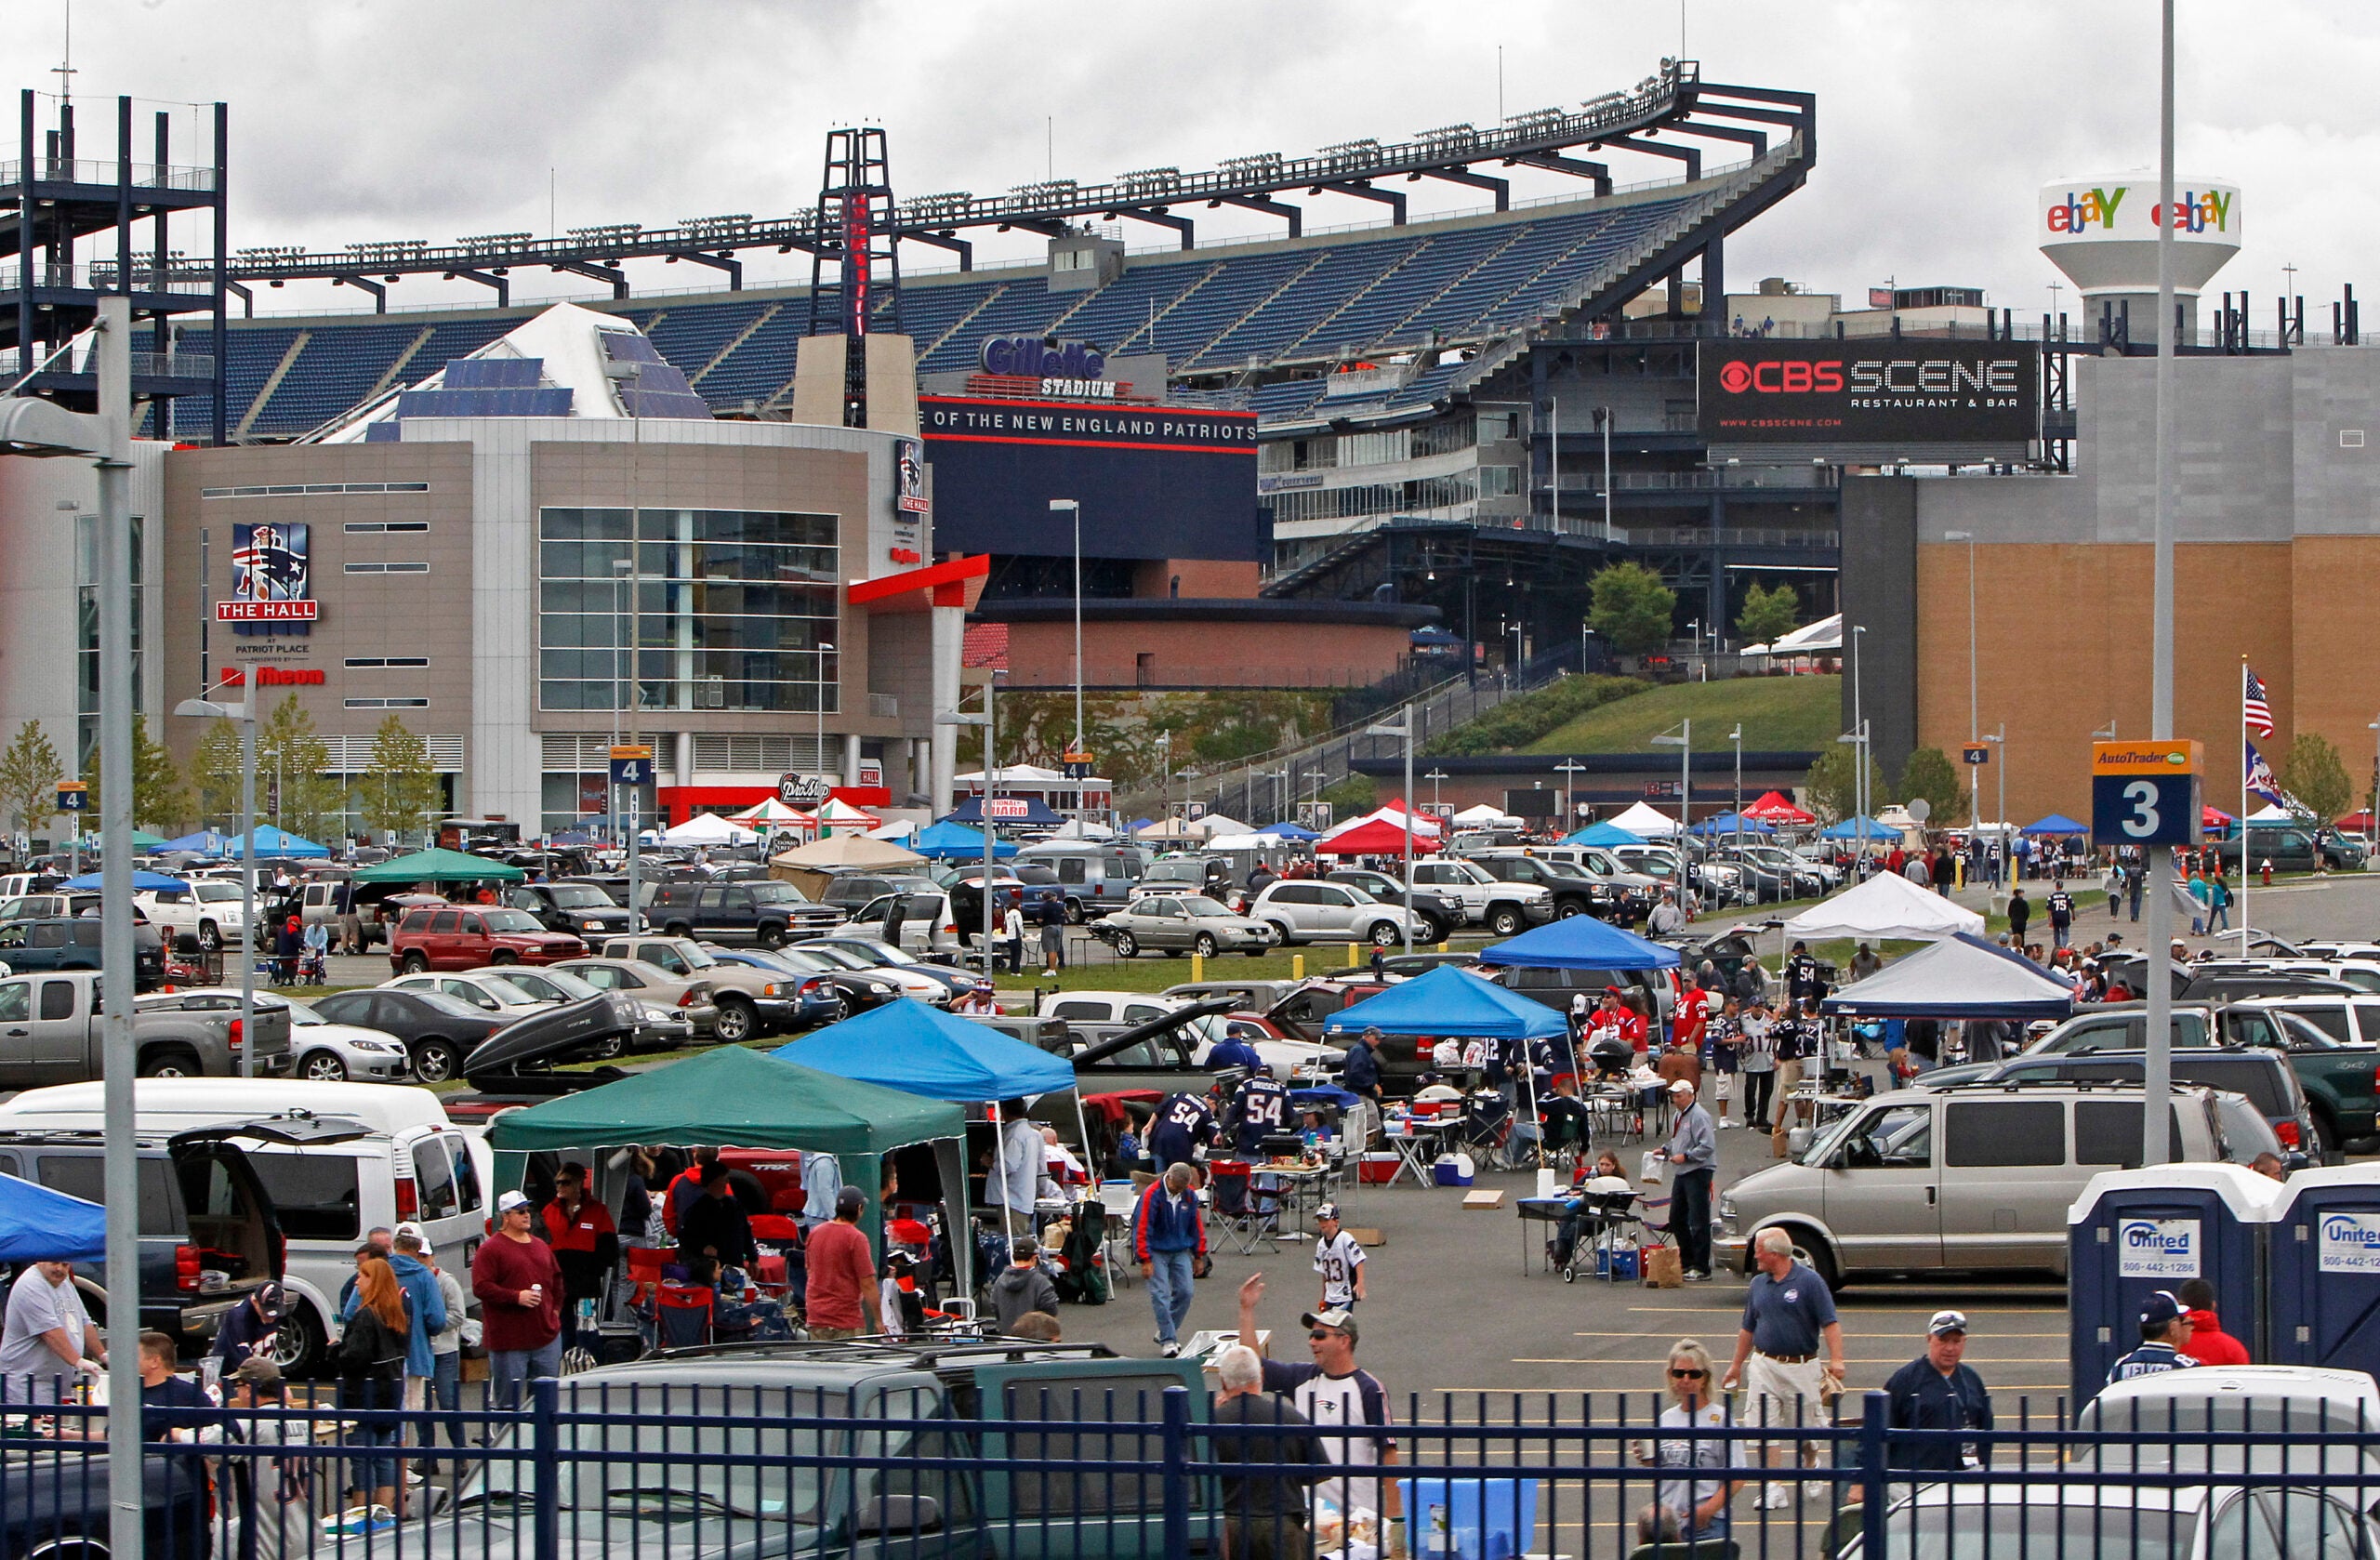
x,y
847,892
203,1210
771,914
580,908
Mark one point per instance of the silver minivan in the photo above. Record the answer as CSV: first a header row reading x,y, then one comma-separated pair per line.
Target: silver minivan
x,y
1971,1177
1309,910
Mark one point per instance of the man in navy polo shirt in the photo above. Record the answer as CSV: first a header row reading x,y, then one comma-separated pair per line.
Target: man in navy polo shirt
x,y
1788,1313
1937,1391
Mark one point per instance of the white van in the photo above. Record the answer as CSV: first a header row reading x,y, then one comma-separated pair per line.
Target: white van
x,y
412,1164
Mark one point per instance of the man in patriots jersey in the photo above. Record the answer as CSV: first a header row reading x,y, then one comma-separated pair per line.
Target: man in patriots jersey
x,y
1260,1110
1184,1123
1340,1259
1341,1401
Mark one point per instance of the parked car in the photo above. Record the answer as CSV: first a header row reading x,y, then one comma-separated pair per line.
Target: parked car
x,y
321,1051
438,1031
2363,974
912,979
1974,1177
1089,1011
649,983
1093,877
1176,924
1568,890
34,946
210,911
2292,848
581,909
850,891
1505,904
202,1209
1440,914
770,913
884,955
50,1032
929,924
661,1028
1207,875
1304,910
44,906
858,984
751,1003
2263,1077
408,1161
463,937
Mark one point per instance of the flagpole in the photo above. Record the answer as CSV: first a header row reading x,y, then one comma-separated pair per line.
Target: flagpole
x,y
2244,674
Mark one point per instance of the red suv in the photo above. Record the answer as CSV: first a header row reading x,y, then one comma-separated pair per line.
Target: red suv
x,y
466,938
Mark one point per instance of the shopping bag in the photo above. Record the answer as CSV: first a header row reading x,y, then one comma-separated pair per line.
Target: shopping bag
x,y
1663,1268
1649,1169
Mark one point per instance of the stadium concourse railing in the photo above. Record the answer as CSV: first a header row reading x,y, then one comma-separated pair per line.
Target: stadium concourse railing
x,y
1031,1463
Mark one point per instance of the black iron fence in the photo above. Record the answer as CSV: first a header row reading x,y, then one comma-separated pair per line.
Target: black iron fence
x,y
887,1451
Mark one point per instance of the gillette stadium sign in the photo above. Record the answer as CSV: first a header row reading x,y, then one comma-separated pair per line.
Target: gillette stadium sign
x,y
1907,393
1075,369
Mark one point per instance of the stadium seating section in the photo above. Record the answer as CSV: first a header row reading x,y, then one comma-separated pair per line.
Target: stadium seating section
x,y
1214,311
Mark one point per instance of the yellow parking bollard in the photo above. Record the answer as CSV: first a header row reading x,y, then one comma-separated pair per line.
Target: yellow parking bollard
x,y
1297,966
1197,967
1442,945
1351,955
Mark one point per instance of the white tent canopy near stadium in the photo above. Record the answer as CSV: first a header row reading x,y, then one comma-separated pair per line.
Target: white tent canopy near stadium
x,y
1886,907
708,828
1646,822
1822,638
1483,815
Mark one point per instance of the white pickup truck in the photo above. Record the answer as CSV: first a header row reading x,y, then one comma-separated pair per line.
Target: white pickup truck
x,y
1506,909
210,910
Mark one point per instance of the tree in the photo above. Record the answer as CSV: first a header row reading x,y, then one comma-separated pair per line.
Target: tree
x,y
1768,614
215,766
402,788
1632,610
1350,798
1930,773
2313,774
1831,783
30,772
307,801
160,798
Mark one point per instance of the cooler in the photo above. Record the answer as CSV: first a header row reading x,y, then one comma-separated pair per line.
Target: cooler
x,y
1470,1519
2134,1231
2323,1270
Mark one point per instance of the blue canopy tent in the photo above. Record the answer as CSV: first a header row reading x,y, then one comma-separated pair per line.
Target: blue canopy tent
x,y
1288,831
1605,833
1729,823
142,882
40,1225
1961,977
279,843
1035,812
1859,828
919,1049
1580,943
1449,1001
2056,825
946,840
205,842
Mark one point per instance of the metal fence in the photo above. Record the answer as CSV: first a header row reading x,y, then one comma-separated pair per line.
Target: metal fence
x,y
707,1456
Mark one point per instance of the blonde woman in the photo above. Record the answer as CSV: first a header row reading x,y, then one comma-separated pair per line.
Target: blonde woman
x,y
1689,1440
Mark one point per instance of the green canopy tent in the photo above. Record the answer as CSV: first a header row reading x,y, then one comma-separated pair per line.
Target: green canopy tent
x,y
735,1097
440,866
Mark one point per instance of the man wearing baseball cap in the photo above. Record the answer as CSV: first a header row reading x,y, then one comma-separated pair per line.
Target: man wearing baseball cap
x,y
248,1330
1936,1390
2164,1333
518,1286
1693,1149
1339,1399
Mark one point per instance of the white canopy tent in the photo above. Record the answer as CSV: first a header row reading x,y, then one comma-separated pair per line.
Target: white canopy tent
x,y
1493,817
708,828
1173,828
1647,821
1888,907
770,813
1422,825
1215,824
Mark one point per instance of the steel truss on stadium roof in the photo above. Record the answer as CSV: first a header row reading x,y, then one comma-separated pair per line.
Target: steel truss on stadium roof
x,y
1674,102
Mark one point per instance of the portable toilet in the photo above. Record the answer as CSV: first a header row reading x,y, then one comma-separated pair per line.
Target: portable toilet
x,y
2323,1261
2134,1231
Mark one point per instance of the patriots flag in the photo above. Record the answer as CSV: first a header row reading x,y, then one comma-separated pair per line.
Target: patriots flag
x,y
2255,710
2261,778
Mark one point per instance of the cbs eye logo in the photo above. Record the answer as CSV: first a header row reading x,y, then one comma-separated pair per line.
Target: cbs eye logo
x,y
1786,376
1736,378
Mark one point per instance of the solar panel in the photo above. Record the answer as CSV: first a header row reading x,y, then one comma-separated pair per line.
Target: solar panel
x,y
495,373
622,346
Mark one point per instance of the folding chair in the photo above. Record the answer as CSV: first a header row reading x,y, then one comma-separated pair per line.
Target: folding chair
x,y
1248,1213
682,1314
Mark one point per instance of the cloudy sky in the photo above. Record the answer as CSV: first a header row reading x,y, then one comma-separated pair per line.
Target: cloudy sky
x,y
394,119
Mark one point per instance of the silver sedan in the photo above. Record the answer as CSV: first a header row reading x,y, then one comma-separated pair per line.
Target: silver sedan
x,y
1178,924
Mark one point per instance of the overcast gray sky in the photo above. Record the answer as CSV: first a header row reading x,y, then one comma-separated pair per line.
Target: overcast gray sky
x,y
371,119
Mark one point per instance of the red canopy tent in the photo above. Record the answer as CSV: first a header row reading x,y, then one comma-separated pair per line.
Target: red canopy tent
x,y
1777,808
1379,838
2356,823
2212,816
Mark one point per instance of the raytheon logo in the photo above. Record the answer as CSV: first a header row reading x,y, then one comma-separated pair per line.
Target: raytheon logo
x,y
1872,376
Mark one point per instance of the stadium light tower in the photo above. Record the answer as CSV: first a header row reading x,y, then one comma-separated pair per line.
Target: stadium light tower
x,y
1074,509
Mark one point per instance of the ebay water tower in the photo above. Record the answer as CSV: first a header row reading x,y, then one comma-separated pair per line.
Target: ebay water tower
x,y
2102,232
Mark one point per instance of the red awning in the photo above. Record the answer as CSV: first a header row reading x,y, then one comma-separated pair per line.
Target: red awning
x,y
1777,808
1379,838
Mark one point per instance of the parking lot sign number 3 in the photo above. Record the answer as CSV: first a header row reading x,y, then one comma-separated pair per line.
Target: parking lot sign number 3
x,y
2146,793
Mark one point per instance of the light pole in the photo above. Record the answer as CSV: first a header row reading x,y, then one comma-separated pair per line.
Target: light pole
x,y
1684,742
1165,764
1075,509
244,713
1737,736
33,427
620,568
1404,728
1437,774
1859,754
2157,1073
1567,768
1974,708
823,651
989,721
2007,843
1694,636
1603,420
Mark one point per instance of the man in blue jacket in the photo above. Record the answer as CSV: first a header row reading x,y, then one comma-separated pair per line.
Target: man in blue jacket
x,y
425,1310
1169,1233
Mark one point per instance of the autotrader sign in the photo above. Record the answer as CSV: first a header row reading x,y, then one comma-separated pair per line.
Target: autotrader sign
x,y
1895,392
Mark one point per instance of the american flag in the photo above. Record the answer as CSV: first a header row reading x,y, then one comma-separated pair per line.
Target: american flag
x,y
2255,712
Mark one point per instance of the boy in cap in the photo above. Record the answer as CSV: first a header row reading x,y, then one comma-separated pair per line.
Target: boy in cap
x,y
1339,1257
2164,1333
246,1331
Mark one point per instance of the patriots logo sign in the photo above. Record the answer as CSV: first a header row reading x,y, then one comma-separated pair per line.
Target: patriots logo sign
x,y
271,580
